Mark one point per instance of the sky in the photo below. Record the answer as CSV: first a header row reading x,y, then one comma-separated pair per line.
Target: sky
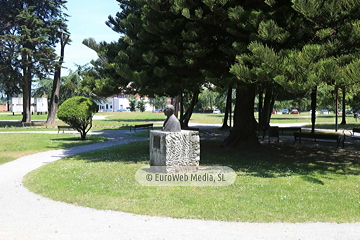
x,y
87,19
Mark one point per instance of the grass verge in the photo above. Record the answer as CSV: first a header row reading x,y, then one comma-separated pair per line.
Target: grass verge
x,y
15,145
277,184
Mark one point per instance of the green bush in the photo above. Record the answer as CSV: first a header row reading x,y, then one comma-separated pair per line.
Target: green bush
x,y
78,113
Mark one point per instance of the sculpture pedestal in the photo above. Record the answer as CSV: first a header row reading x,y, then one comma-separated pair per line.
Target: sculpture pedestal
x,y
175,150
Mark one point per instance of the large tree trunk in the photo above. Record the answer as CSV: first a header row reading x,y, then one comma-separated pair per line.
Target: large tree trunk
x,y
54,100
26,90
186,117
8,102
343,120
313,108
175,103
336,107
267,108
245,128
260,107
227,109
55,93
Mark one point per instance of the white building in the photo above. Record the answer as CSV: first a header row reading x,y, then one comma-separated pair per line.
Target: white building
x,y
119,103
37,105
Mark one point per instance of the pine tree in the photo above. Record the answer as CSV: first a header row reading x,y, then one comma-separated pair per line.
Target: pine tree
x,y
335,27
33,27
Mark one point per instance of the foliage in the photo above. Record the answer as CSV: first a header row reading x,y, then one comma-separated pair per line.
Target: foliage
x,y
170,48
141,104
42,87
207,99
29,32
132,103
78,113
158,102
355,103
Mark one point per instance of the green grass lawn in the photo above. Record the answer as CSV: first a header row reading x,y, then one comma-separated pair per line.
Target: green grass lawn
x,y
15,145
133,118
18,117
277,184
306,118
122,120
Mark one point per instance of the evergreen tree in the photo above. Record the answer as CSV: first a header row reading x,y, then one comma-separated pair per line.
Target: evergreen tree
x,y
32,26
55,93
335,27
141,104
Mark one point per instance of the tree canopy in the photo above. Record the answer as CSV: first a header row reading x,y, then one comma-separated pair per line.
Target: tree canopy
x,y
261,47
29,33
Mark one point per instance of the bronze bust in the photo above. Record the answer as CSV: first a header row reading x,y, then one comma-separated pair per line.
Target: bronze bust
x,y
171,123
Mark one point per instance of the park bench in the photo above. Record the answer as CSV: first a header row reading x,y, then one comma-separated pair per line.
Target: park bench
x,y
141,126
274,131
317,136
271,132
63,128
289,129
355,130
353,136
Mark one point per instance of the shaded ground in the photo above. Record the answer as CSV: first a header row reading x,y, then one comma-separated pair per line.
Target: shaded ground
x,y
322,155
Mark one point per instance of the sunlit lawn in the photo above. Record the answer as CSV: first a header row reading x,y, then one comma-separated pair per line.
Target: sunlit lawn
x,y
276,184
15,145
116,120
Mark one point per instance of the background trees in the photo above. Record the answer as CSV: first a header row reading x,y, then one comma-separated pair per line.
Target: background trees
x,y
29,32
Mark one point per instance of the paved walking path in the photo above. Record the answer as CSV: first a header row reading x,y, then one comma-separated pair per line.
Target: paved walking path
x,y
25,215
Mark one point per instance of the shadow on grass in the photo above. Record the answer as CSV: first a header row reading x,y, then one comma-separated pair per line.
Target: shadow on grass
x,y
313,180
64,143
280,160
270,162
17,124
347,127
134,120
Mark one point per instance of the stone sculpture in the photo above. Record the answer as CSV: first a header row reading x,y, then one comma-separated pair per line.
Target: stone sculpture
x,y
171,123
172,147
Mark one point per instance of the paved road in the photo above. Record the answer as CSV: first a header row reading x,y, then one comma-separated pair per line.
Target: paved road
x,y
27,216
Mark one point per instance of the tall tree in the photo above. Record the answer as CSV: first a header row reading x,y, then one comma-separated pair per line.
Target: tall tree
x,y
264,27
336,25
55,93
33,25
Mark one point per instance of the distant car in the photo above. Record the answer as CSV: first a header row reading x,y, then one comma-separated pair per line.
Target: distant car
x,y
349,111
158,111
294,111
273,111
339,111
310,112
217,111
324,111
286,111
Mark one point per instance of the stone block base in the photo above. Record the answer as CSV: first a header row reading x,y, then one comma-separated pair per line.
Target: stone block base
x,y
174,149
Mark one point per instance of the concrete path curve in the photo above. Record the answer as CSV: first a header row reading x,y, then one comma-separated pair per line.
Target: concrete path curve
x,y
27,216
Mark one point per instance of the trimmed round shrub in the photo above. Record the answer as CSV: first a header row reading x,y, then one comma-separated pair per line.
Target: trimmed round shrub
x,y
77,112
